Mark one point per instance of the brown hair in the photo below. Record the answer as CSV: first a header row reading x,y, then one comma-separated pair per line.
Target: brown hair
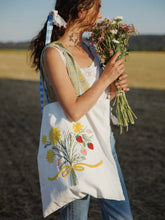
x,y
68,10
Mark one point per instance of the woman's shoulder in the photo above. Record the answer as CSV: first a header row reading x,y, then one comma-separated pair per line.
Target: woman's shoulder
x,y
50,49
52,52
49,54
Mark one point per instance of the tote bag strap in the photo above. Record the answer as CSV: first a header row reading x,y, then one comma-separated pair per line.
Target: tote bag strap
x,y
78,80
43,90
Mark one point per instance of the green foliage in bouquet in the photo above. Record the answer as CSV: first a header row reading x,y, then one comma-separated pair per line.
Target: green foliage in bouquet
x,y
109,37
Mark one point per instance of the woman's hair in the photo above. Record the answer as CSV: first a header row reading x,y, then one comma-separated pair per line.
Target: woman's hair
x,y
68,10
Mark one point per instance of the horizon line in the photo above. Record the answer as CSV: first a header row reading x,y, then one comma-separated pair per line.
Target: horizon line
x,y
28,40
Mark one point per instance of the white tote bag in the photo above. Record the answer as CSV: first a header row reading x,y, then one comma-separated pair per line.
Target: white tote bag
x,y
75,158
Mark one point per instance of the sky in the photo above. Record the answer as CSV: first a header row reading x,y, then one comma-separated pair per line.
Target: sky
x,y
21,20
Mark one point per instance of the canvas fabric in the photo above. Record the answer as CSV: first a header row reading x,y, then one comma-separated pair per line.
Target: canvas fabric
x,y
75,158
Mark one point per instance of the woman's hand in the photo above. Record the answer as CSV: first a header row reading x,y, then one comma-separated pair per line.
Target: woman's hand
x,y
113,69
121,84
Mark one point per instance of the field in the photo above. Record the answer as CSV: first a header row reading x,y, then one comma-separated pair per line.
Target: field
x,y
140,150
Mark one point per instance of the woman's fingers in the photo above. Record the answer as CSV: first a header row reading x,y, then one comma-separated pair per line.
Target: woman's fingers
x,y
122,79
122,68
122,83
115,56
124,76
126,89
114,68
120,61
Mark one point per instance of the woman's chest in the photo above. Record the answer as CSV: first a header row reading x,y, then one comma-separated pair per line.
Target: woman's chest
x,y
83,60
92,73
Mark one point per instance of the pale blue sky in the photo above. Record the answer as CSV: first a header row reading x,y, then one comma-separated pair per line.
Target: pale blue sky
x,y
20,20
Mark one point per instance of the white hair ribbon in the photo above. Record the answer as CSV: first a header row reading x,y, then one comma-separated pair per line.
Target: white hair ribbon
x,y
57,19
53,19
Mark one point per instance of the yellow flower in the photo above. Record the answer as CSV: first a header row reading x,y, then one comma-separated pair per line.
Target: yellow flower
x,y
44,139
50,156
77,127
54,136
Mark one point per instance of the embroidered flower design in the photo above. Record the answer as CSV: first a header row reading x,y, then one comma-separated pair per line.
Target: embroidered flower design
x,y
79,139
89,131
90,146
44,139
84,152
50,156
77,127
58,162
68,150
54,136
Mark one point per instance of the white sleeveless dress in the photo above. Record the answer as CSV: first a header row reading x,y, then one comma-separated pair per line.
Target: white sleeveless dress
x,y
92,74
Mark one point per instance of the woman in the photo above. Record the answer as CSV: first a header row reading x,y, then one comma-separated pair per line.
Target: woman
x,y
80,16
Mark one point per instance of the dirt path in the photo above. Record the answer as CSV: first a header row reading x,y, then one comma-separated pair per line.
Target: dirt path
x,y
140,152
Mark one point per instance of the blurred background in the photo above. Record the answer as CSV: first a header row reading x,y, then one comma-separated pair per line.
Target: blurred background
x,y
140,150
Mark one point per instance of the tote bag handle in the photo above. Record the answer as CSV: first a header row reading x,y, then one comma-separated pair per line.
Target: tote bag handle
x,y
43,90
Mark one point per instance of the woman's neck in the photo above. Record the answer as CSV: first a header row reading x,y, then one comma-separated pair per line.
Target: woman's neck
x,y
72,38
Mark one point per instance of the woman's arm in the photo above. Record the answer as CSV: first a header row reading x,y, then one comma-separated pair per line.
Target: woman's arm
x,y
73,106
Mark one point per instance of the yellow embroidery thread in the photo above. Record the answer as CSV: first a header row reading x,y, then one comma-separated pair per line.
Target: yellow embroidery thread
x,y
44,139
50,156
77,127
54,136
78,167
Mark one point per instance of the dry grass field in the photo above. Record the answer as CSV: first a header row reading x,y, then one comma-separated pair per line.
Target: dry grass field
x,y
145,69
140,150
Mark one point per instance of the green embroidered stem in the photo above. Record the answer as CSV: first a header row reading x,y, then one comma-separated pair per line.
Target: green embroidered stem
x,y
73,178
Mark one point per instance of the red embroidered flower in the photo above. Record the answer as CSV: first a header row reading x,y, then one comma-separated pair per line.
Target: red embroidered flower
x,y
79,139
90,146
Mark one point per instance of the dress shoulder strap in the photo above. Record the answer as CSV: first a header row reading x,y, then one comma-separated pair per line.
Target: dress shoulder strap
x,y
79,82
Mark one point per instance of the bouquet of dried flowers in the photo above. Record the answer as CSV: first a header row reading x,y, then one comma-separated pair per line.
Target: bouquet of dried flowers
x,y
109,37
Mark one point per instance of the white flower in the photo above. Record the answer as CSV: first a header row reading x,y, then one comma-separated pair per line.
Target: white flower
x,y
119,18
113,22
115,41
114,31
